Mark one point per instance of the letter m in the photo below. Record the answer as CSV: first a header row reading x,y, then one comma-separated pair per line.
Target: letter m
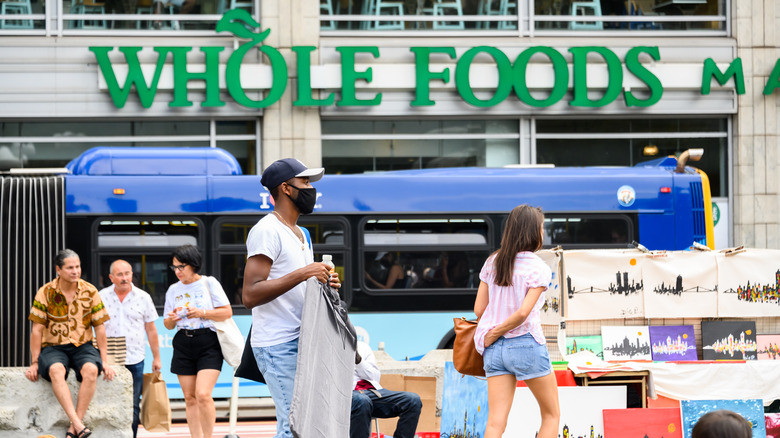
x,y
135,75
711,71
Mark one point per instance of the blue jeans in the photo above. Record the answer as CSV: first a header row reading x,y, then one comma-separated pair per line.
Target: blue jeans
x,y
367,404
137,371
278,364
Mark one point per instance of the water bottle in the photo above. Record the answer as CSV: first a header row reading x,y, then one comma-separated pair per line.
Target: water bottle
x,y
328,260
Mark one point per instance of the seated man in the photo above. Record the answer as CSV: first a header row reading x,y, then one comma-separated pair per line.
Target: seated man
x,y
64,312
370,400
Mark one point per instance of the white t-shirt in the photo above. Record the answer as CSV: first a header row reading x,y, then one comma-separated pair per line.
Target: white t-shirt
x,y
128,320
195,294
279,321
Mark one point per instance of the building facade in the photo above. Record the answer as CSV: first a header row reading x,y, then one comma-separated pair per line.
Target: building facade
x,y
372,85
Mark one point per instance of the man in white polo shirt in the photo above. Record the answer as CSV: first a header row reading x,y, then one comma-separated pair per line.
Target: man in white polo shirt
x,y
132,315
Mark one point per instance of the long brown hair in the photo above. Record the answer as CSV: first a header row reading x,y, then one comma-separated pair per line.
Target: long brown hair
x,y
521,233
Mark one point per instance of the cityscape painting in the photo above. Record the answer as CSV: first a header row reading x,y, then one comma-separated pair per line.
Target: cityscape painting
x,y
680,285
603,285
768,347
673,342
576,344
728,340
749,284
626,342
642,423
551,309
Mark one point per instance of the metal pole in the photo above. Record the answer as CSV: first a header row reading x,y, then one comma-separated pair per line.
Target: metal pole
x,y
233,410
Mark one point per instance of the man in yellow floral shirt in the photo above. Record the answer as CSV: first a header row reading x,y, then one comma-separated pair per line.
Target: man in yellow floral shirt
x,y
64,312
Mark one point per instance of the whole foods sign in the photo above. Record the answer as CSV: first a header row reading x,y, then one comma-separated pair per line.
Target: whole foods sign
x,y
513,77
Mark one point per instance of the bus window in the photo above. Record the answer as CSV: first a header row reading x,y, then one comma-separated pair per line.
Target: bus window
x,y
150,273
588,231
423,253
146,233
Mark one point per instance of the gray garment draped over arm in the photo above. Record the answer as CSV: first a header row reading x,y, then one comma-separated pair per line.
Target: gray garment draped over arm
x,y
322,397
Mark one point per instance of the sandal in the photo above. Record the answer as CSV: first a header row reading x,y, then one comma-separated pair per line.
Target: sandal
x,y
70,435
85,432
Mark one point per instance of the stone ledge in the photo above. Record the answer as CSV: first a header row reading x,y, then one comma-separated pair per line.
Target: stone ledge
x,y
29,409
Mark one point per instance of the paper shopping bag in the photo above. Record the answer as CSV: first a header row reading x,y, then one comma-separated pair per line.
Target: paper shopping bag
x,y
155,405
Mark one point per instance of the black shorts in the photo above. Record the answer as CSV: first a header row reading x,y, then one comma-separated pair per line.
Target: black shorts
x,y
195,350
70,356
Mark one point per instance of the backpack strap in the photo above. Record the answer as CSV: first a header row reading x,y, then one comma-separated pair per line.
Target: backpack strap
x,y
308,238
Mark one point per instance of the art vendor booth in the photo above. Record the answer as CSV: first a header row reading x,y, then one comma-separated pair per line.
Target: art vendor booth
x,y
652,341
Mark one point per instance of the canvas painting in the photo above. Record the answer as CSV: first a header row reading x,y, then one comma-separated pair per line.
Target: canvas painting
x,y
603,285
581,411
680,285
772,425
728,340
673,342
752,410
585,343
626,342
464,404
768,347
551,309
642,423
748,283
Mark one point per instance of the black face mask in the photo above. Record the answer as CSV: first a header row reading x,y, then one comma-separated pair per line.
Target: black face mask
x,y
306,199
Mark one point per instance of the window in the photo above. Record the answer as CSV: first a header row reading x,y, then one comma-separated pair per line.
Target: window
x,y
526,17
118,16
430,253
356,146
54,144
147,245
589,231
627,142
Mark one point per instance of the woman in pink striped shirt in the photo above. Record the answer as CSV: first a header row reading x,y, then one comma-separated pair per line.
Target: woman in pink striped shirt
x,y
509,334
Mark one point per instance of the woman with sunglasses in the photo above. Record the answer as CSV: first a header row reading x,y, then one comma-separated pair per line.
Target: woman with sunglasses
x,y
191,304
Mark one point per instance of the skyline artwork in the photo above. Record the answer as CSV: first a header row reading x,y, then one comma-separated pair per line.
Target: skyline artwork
x,y
551,309
464,404
768,347
581,411
752,410
626,342
673,342
749,284
728,340
603,285
680,285
575,344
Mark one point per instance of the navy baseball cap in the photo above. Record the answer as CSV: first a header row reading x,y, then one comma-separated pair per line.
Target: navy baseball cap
x,y
282,170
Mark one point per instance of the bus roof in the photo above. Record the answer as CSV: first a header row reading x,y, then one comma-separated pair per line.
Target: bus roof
x,y
169,189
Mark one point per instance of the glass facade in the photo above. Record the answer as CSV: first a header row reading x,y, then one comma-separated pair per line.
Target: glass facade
x,y
510,16
54,144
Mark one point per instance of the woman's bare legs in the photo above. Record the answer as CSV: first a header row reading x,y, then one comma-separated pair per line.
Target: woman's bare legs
x,y
545,390
501,392
204,386
191,403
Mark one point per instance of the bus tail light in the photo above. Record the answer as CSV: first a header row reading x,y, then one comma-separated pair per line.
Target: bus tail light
x,y
119,191
666,190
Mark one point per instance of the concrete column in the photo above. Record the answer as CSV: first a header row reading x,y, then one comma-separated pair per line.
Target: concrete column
x,y
756,208
290,131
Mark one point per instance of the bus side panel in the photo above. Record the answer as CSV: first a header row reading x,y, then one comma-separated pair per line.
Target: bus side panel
x,y
657,231
134,194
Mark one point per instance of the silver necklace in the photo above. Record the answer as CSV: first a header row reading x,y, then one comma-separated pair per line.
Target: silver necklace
x,y
291,228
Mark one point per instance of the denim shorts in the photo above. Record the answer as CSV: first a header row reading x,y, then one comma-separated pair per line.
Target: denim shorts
x,y
521,356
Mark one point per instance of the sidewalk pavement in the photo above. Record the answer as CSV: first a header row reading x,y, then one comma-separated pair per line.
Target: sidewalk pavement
x,y
244,429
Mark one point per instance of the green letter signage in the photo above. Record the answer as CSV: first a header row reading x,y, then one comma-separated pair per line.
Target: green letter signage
x,y
181,75
635,66
349,76
233,68
463,83
614,76
560,69
304,79
774,80
423,75
711,71
134,76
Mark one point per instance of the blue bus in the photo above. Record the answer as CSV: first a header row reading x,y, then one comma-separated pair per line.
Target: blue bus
x,y
438,225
